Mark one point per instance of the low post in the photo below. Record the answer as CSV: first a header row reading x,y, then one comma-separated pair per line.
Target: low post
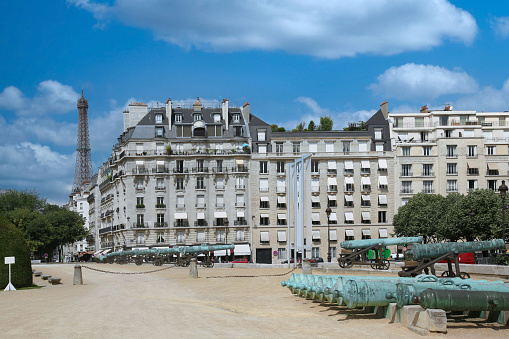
x,y
9,261
78,278
193,268
306,267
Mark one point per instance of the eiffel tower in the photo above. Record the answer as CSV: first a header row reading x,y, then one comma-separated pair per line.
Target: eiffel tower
x,y
83,168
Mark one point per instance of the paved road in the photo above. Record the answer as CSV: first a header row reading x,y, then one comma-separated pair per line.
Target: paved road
x,y
170,304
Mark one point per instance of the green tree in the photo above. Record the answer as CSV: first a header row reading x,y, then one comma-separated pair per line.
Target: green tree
x,y
276,128
299,128
13,199
326,124
311,126
419,217
13,244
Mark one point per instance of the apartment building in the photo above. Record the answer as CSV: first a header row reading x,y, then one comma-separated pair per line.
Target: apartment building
x,y
445,151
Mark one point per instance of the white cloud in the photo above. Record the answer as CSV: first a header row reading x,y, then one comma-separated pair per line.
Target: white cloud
x,y
501,26
35,166
12,98
488,99
340,119
411,81
318,28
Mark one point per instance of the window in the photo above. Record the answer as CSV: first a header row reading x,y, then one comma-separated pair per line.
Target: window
x,y
349,235
140,238
281,202
427,187
281,219
406,187
239,183
333,252
199,165
315,185
220,235
378,133
264,202
197,117
348,167
296,147
237,131
492,169
261,134
280,185
159,118
427,170
404,201
160,219
363,146
264,220
406,170
349,218
426,151
346,146
160,202
181,237
365,218
490,150
472,185
139,202
329,147
382,217
315,252
452,186
366,234
281,253
280,166
314,166
220,201
313,147
219,166
239,201
236,117
315,201
279,147
140,220
239,235
448,133
424,136
365,167
472,151
348,201
178,117
180,184
492,185
472,171
315,218
379,147
365,184
332,202
452,168
264,185
263,167
382,200
451,151
365,200
200,184
200,201
180,201
217,117
405,151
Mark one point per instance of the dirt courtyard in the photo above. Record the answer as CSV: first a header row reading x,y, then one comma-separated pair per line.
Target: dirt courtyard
x,y
170,304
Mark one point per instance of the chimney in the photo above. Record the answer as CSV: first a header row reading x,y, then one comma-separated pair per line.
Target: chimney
x,y
448,108
224,111
137,110
197,105
424,109
126,119
246,111
384,107
169,113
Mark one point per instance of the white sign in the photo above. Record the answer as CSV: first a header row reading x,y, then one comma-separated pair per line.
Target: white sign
x,y
9,260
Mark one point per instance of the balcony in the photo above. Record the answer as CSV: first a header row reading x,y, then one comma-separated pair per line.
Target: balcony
x,y
242,222
472,171
140,170
105,230
219,205
180,206
160,206
160,170
240,204
200,205
180,170
406,190
240,187
160,188
140,225
219,170
140,206
200,170
332,188
281,190
200,187
239,169
160,224
181,223
201,223
332,171
315,189
428,190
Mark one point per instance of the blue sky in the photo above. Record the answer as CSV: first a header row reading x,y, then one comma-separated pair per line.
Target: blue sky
x,y
292,61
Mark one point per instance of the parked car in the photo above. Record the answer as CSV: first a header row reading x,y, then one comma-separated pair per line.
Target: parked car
x,y
240,261
316,260
292,261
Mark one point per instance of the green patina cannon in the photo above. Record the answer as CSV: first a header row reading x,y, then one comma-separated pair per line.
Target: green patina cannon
x,y
355,251
456,300
186,253
425,256
406,293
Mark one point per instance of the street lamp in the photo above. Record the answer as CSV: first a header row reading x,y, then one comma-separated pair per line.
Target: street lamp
x,y
503,190
328,212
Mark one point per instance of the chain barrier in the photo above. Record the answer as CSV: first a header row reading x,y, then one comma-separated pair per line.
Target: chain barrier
x,y
125,273
255,276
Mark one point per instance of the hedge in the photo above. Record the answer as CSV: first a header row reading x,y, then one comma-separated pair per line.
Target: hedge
x,y
13,244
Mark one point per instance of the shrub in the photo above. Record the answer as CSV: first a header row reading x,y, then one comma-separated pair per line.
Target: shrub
x,y
502,259
13,244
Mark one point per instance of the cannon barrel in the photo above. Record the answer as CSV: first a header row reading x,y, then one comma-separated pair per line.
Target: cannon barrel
x,y
457,300
405,293
351,244
205,248
431,251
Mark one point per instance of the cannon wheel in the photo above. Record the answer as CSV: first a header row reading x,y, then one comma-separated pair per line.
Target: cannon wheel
x,y
384,265
464,275
158,262
345,263
138,261
448,274
121,261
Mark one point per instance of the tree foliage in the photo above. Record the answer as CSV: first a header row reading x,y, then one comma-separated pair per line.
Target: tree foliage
x,y
311,126
300,127
276,128
475,216
44,226
13,244
326,124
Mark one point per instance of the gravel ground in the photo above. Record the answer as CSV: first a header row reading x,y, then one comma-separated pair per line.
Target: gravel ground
x,y
168,303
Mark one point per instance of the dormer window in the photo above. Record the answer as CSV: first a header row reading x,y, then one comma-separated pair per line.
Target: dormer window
x,y
217,117
178,117
236,117
159,118
197,117
159,132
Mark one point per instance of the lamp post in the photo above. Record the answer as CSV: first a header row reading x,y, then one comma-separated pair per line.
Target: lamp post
x,y
328,212
503,190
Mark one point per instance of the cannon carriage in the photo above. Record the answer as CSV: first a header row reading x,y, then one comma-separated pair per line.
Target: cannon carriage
x,y
356,251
